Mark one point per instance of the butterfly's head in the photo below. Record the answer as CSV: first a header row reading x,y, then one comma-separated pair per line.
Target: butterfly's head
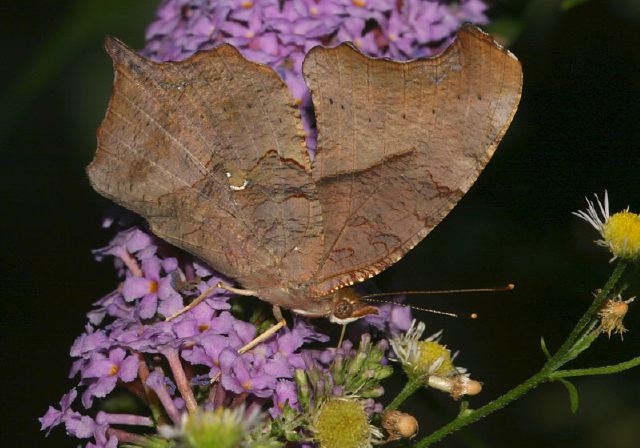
x,y
347,307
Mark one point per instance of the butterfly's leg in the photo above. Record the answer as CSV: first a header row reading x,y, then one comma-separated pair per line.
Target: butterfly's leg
x,y
268,333
240,292
205,294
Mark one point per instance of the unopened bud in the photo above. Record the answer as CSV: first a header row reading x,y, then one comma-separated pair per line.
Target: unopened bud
x,y
457,386
399,425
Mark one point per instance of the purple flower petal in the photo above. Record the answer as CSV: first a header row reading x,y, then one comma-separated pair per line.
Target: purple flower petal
x,y
148,306
136,287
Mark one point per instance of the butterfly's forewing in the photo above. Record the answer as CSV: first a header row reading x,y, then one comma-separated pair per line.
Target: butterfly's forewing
x,y
400,143
211,152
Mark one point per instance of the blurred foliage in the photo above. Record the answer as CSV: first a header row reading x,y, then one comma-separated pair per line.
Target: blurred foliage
x,y
80,25
568,4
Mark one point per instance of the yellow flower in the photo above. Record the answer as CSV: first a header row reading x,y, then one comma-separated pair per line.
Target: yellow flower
x,y
433,362
620,232
422,358
342,423
434,358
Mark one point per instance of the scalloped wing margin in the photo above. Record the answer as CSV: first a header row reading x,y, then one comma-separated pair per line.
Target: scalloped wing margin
x,y
399,143
211,152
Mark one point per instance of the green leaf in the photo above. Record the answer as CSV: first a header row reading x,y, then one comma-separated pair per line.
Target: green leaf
x,y
569,4
543,346
573,394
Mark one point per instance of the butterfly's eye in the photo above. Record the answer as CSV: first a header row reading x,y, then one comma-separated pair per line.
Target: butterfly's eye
x,y
343,309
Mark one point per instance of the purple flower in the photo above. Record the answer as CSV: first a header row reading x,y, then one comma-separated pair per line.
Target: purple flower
x,y
240,376
391,318
203,319
153,338
131,241
279,33
285,393
90,341
76,424
112,304
152,288
207,351
84,427
54,417
102,372
80,426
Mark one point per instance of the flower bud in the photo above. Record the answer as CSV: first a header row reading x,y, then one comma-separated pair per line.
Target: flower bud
x,y
399,425
356,363
375,392
383,372
304,391
612,314
457,386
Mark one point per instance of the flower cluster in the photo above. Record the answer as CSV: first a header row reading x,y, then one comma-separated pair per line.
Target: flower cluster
x,y
279,32
192,364
341,385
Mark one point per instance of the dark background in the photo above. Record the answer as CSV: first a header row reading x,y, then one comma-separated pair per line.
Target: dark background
x,y
575,134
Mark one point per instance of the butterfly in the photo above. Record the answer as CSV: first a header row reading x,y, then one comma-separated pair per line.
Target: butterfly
x,y
211,152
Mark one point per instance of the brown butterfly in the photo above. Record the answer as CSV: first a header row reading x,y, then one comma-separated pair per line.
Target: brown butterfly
x,y
211,151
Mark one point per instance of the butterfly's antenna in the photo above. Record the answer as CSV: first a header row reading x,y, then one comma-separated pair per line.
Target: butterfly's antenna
x,y
508,287
427,310
373,297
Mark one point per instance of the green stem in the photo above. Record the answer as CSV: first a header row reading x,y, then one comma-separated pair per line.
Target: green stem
x,y
587,316
580,338
485,410
582,343
408,390
603,370
517,392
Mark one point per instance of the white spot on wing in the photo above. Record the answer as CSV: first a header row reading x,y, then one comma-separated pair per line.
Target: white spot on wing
x,y
241,187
